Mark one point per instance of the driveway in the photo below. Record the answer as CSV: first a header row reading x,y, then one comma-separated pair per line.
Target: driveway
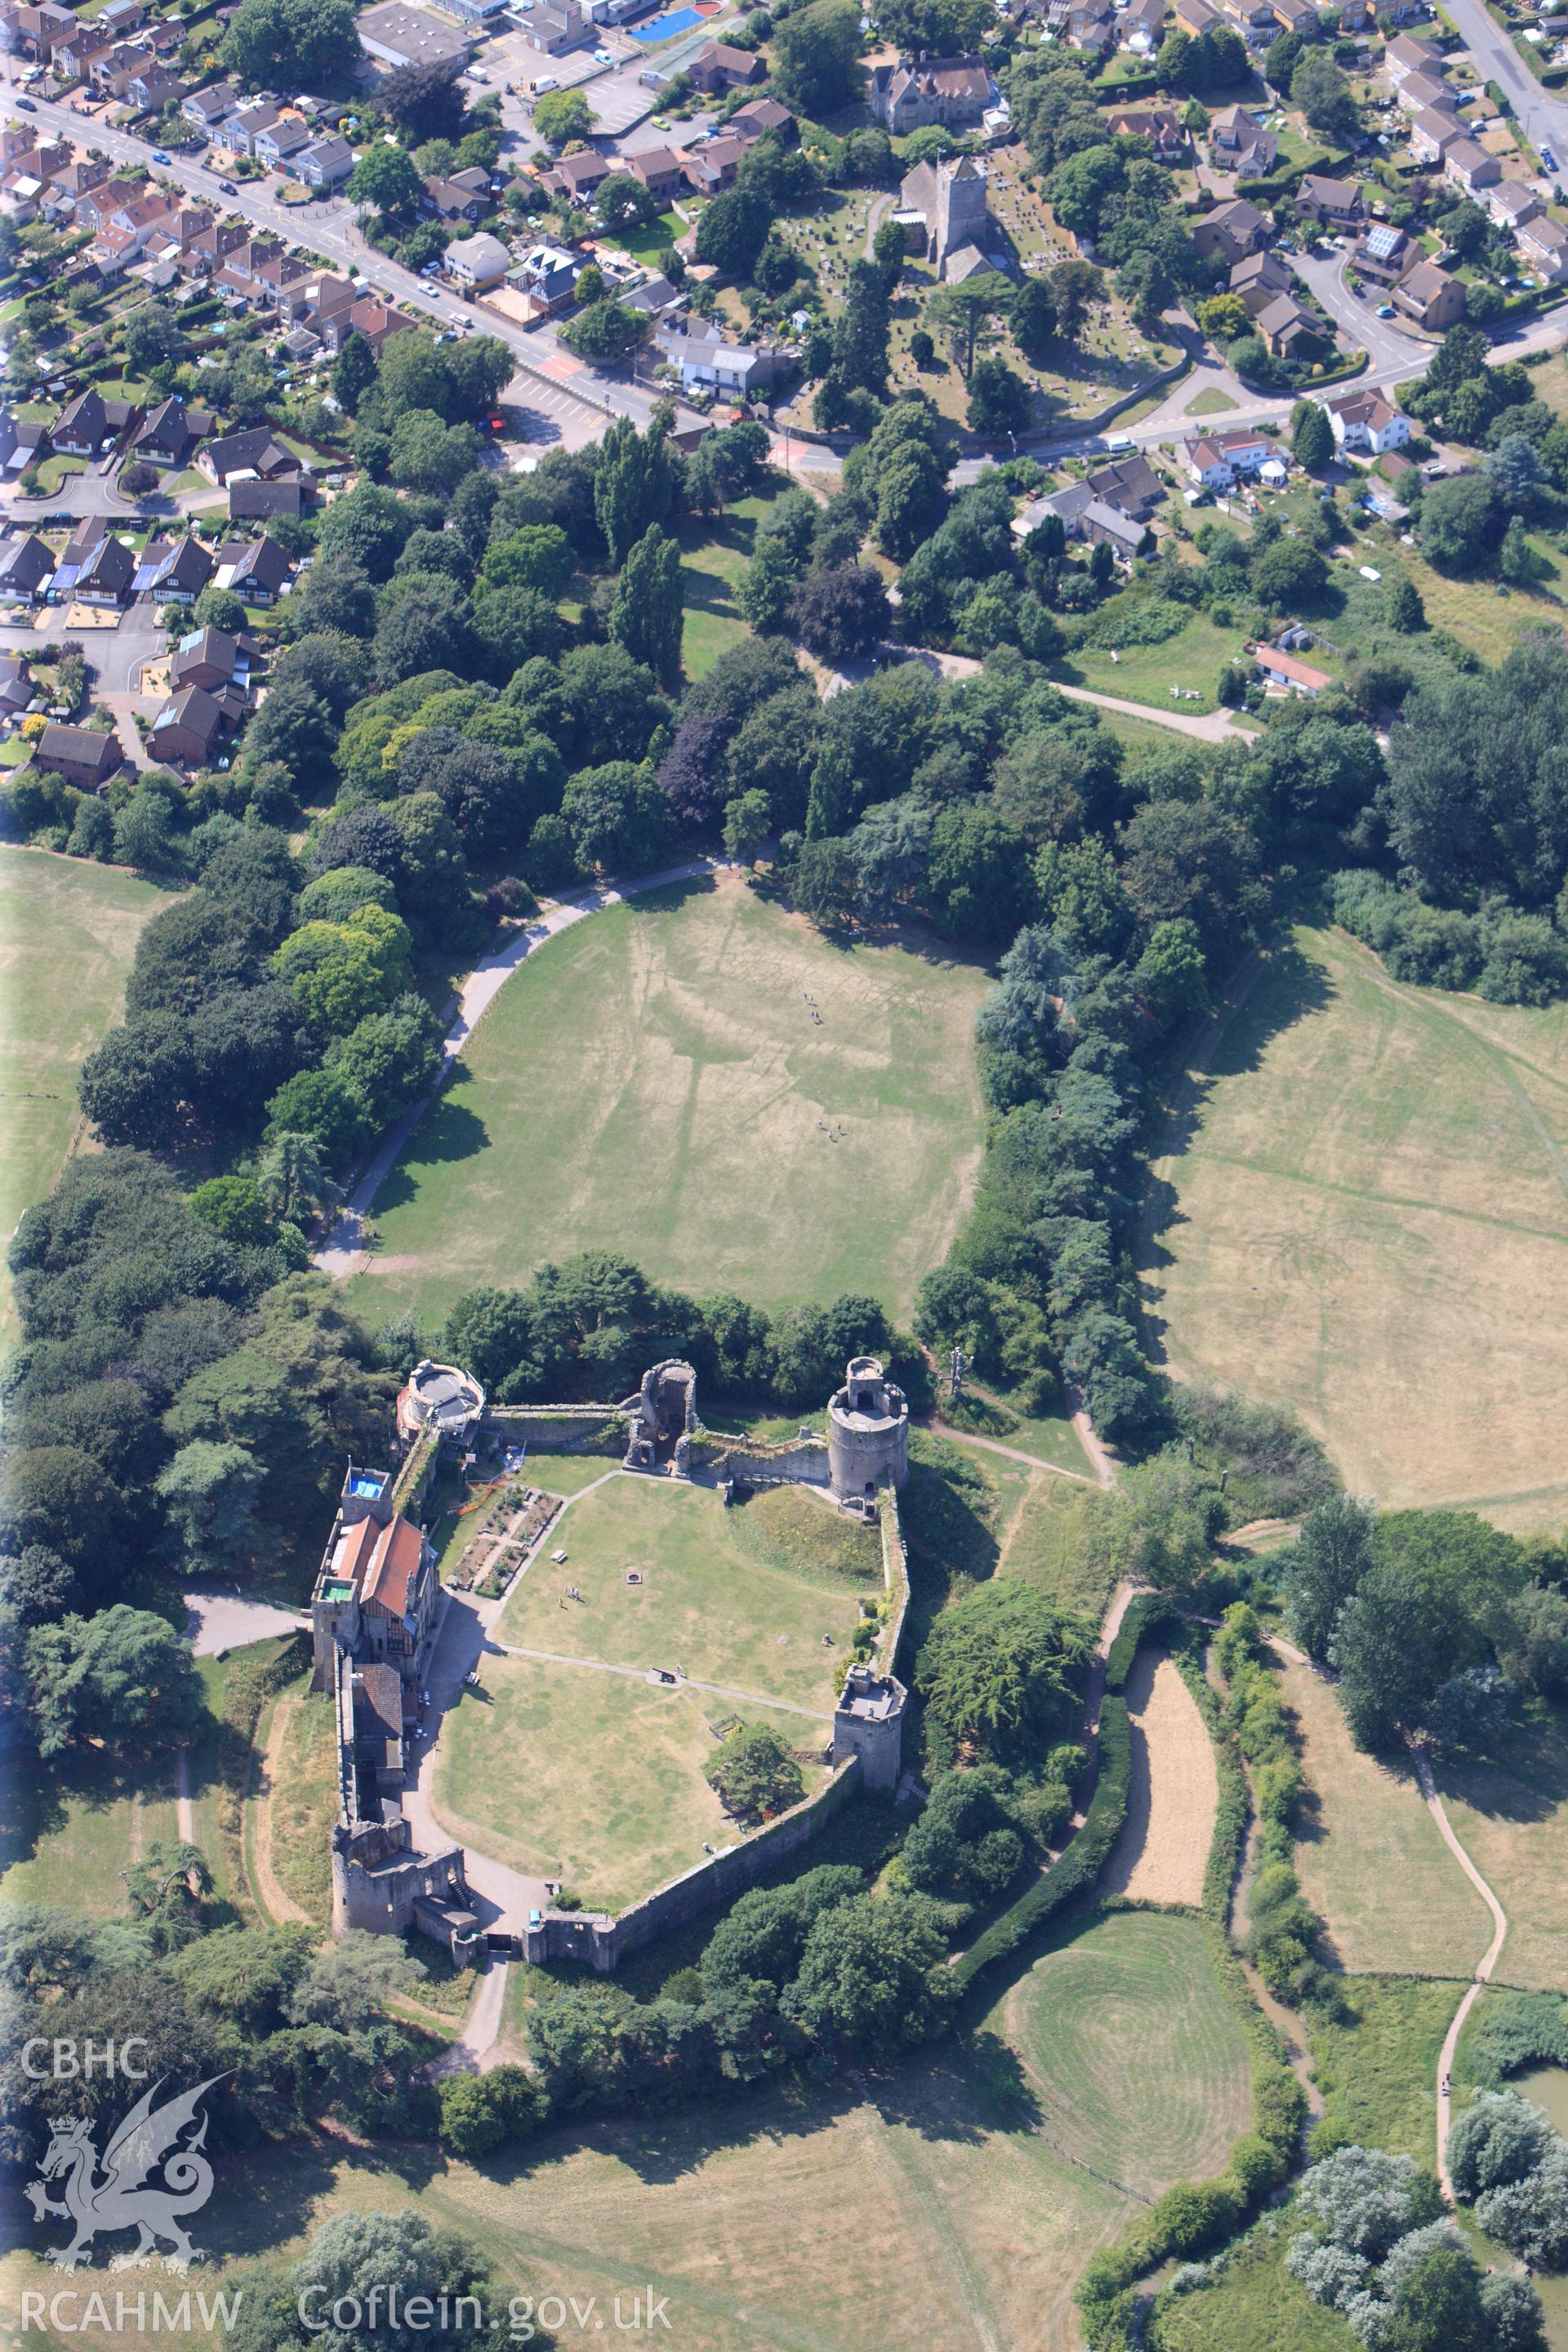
x,y
218,1618
1383,342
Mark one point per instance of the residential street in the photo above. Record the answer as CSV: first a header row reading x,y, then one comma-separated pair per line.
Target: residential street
x,y
1543,118
327,227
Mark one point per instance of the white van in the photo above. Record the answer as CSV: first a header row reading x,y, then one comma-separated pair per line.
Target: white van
x,y
545,81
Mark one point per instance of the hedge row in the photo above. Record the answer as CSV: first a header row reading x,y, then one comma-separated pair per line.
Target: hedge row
x,y
1082,1862
1234,1802
1142,1614
1195,2217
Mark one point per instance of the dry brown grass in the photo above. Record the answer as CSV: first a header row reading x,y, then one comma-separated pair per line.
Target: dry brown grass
x,y
1162,1849
1372,1863
1511,1817
1364,1216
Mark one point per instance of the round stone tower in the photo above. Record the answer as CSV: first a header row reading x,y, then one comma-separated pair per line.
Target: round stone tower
x,y
867,1432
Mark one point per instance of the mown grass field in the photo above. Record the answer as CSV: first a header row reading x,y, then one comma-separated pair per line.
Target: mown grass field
x,y
68,932
1511,1814
651,1082
1361,1213
1370,1858
949,2202
748,1614
1192,661
67,1838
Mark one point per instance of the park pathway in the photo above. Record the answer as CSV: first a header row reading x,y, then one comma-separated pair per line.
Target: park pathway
x,y
474,2051
184,1811
652,1676
343,1252
1484,1967
1489,1959
1013,1453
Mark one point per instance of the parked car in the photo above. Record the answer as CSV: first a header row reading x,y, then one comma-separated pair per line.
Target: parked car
x,y
1548,160
229,187
1385,309
159,156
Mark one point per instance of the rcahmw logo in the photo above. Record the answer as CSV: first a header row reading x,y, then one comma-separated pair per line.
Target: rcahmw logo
x,y
124,2191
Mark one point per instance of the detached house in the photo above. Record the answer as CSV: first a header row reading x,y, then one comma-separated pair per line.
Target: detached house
x,y
1512,204
466,196
718,67
106,576
1430,297
1365,420
1468,166
170,434
1544,247
173,571
257,451
186,730
953,91
82,755
660,169
1432,135
1218,459
1242,145
89,423
26,566
256,569
1232,231
477,263
1161,125
1335,203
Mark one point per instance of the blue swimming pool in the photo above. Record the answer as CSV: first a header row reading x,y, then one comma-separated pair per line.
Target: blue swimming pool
x,y
676,20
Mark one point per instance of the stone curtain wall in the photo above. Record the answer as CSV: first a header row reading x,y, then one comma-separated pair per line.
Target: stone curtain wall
x,y
601,1941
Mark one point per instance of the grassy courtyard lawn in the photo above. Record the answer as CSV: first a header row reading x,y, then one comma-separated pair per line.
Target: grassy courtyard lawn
x,y
564,1473
1361,1214
649,1082
592,1779
748,1614
647,243
1210,403
1192,661
68,932
1372,1861
1511,1814
67,1836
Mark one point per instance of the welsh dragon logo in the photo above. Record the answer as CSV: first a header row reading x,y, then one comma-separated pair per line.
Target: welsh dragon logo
x,y
122,2194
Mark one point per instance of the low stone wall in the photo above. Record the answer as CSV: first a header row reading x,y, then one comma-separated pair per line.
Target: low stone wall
x,y
802,1462
896,1578
600,1941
